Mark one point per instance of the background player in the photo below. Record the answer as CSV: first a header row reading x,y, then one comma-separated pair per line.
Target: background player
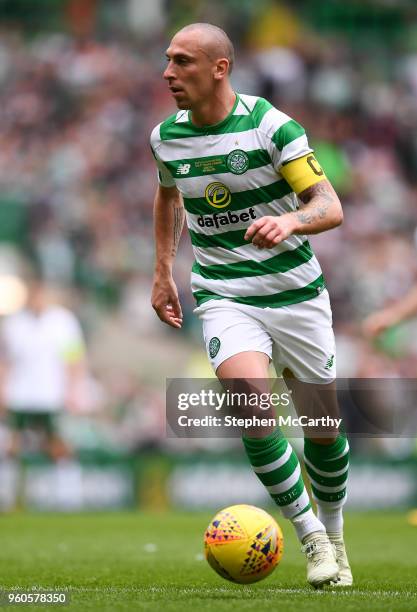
x,y
42,369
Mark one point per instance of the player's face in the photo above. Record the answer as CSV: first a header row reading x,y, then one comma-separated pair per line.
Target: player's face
x,y
189,72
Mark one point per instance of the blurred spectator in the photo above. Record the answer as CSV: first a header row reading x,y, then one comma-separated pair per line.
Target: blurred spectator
x,y
42,371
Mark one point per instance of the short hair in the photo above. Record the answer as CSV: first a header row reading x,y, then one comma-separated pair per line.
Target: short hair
x,y
222,45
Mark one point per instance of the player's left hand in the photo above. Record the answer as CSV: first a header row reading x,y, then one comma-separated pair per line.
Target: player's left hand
x,y
269,231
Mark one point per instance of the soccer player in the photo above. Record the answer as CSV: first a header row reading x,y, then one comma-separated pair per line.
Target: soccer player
x,y
381,320
42,368
237,164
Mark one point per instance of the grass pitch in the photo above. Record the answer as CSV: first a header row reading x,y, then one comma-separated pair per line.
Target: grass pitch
x,y
135,561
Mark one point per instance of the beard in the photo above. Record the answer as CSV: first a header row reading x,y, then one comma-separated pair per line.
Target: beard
x,y
183,104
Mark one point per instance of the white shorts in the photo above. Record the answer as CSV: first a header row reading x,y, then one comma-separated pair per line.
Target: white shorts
x,y
298,337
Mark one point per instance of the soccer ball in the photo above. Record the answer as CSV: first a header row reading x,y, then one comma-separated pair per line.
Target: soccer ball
x,y
243,543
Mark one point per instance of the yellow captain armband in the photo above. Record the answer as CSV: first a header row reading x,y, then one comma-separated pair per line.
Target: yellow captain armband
x,y
73,353
302,173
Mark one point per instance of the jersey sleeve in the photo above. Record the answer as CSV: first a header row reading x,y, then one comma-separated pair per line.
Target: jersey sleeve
x,y
164,176
285,138
290,151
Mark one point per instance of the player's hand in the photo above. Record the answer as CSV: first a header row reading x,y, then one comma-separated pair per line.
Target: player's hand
x,y
378,322
165,301
269,231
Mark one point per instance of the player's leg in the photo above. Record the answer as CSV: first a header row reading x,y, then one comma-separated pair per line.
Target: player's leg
x,y
326,458
308,350
14,421
243,350
55,447
327,467
271,456
277,467
19,422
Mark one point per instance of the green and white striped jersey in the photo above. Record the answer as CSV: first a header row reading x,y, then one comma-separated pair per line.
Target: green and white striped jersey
x,y
229,176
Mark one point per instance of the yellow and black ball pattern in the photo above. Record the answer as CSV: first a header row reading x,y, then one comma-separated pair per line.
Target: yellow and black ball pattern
x,y
243,543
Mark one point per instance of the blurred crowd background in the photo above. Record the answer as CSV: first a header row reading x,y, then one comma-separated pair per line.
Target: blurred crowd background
x,y
81,89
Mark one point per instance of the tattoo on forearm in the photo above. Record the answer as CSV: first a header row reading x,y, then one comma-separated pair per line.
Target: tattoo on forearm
x,y
323,198
178,223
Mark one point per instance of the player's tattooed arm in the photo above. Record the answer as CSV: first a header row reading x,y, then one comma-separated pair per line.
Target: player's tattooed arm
x,y
168,223
169,218
320,209
323,195
179,216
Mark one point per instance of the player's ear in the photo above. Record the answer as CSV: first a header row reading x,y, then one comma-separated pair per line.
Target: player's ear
x,y
221,69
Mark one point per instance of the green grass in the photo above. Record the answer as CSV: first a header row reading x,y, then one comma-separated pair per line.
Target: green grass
x,y
105,564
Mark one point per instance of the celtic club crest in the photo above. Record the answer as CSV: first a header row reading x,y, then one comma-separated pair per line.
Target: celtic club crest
x,y
237,161
214,347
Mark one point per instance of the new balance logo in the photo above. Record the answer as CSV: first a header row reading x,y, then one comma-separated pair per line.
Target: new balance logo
x,y
329,363
183,168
